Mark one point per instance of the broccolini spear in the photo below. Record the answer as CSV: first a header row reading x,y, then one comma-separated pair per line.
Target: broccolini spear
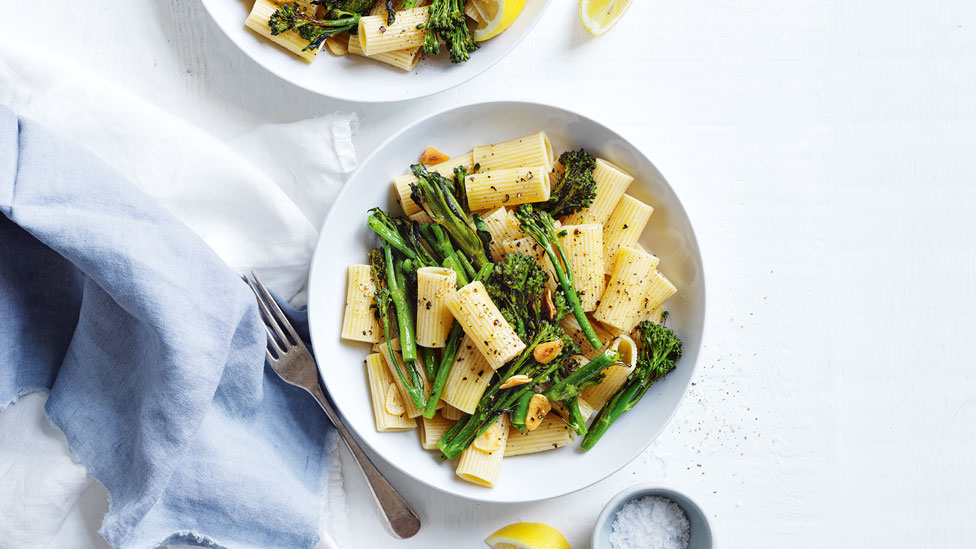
x,y
293,17
576,189
401,235
540,226
447,21
517,286
431,192
449,257
659,354
381,265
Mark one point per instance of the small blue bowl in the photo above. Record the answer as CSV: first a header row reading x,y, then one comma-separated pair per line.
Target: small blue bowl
x,y
701,532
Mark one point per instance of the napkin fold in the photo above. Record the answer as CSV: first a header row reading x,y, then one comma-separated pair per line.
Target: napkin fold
x,y
199,453
153,352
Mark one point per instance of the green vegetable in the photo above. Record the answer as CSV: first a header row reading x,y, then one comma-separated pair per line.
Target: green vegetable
x,y
447,22
293,17
517,286
659,355
576,189
573,384
540,226
432,193
381,262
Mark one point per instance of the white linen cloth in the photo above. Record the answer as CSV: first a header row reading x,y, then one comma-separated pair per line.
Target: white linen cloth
x,y
257,200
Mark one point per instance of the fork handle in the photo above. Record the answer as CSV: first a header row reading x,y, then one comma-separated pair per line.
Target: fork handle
x,y
403,522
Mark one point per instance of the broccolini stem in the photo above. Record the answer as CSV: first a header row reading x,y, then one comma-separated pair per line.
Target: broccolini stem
x,y
429,358
443,369
569,386
381,224
413,386
517,417
576,421
397,283
611,411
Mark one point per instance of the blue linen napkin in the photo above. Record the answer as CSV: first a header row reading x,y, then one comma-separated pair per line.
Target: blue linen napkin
x,y
152,350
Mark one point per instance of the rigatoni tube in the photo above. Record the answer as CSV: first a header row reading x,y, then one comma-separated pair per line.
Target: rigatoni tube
x,y
358,321
483,322
467,380
624,298
611,182
531,150
434,286
624,227
408,31
507,187
389,411
584,247
552,433
482,461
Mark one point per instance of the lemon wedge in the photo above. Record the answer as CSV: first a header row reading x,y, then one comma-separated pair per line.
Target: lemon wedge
x,y
599,15
492,16
527,535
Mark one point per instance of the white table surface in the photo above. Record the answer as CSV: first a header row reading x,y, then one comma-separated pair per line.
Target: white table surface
x,y
825,150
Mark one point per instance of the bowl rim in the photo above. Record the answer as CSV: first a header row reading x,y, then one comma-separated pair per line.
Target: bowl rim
x,y
272,68
347,188
639,490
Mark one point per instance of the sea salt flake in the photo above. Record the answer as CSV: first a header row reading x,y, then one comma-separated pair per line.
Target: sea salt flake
x,y
650,522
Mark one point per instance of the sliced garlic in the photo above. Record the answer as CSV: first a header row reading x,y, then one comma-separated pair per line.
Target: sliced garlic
x,y
515,381
539,406
433,156
544,353
490,440
394,404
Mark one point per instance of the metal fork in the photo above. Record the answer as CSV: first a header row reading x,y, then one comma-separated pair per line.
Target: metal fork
x,y
293,363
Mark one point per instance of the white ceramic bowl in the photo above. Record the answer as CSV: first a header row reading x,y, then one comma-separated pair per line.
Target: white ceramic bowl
x,y
353,78
701,531
345,240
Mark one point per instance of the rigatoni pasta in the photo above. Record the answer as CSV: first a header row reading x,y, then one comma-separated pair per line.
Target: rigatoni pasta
x,y
358,321
405,59
531,150
376,35
490,332
431,430
468,379
480,463
624,298
551,434
611,182
389,412
624,227
434,286
584,245
507,187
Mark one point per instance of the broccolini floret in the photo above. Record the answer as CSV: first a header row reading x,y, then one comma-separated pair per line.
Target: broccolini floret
x,y
576,189
293,17
517,286
447,22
